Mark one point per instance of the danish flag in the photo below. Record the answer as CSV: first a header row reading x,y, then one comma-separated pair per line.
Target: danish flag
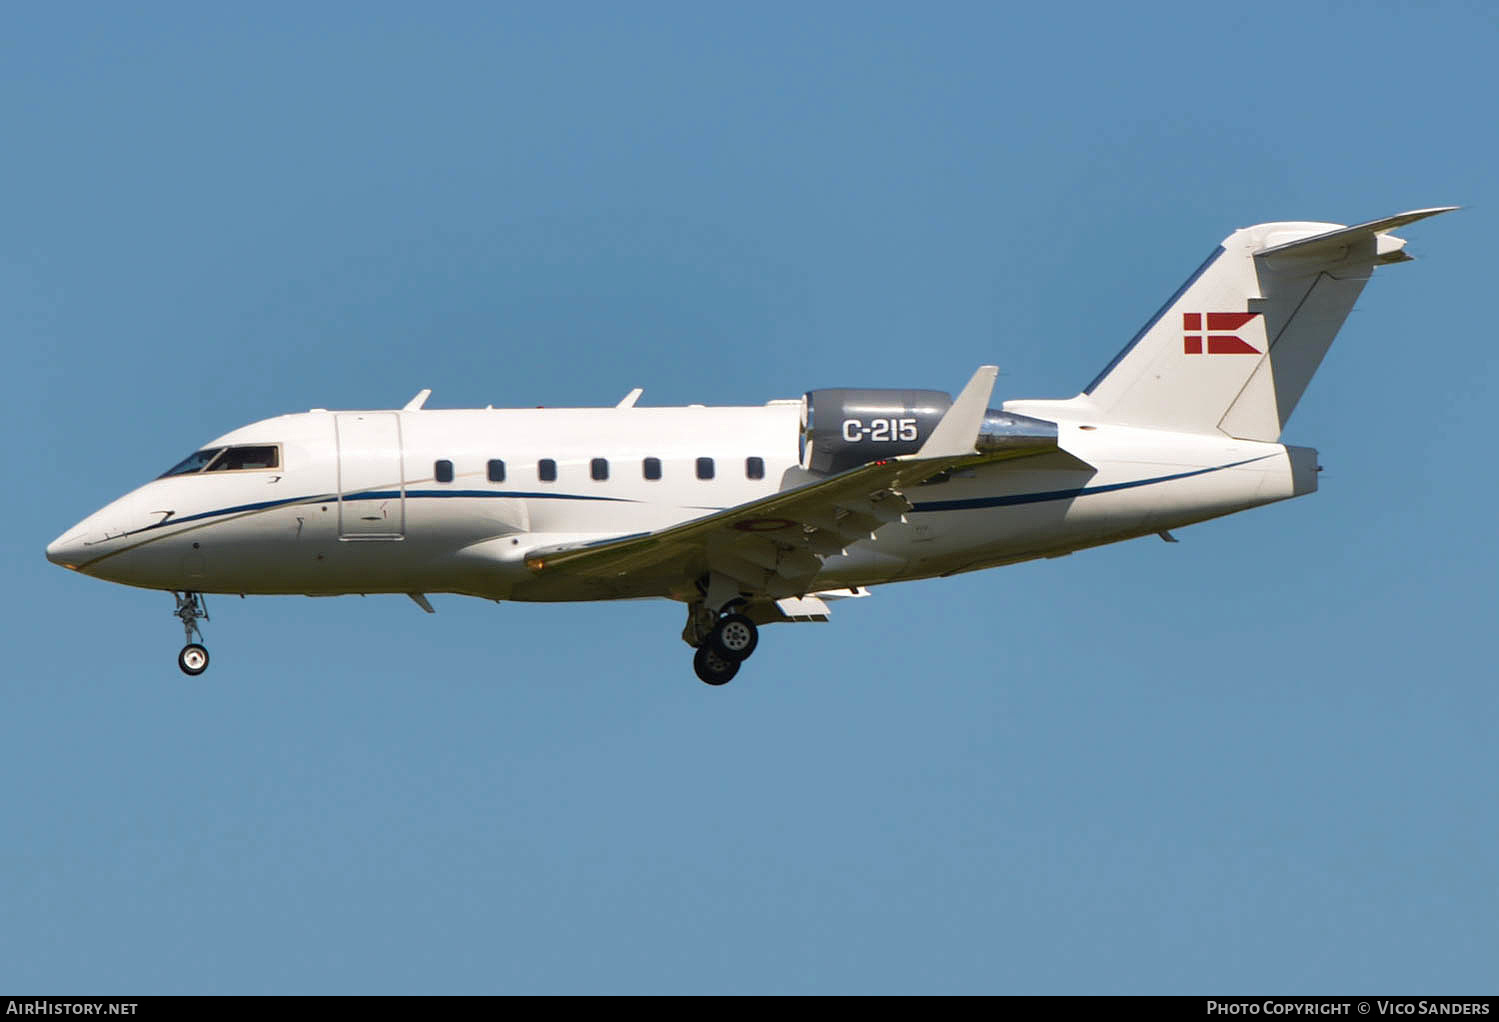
x,y
1216,335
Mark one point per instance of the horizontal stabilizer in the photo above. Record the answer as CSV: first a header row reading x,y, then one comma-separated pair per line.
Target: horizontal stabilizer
x,y
1329,243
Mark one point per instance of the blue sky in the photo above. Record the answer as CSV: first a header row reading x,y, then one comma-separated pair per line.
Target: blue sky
x,y
1259,760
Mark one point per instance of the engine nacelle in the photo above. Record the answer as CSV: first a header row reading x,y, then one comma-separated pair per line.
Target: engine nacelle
x,y
845,428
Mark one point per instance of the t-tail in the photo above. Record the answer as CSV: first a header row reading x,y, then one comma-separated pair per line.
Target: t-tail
x,y
1233,350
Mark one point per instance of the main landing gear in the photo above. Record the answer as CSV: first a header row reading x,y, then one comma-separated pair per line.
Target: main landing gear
x,y
712,668
190,607
723,641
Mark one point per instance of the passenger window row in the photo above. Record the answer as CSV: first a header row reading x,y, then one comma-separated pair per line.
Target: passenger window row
x,y
598,469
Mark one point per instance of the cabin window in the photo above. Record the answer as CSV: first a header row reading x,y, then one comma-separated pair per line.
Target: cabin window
x,y
599,469
705,468
546,470
651,468
496,470
754,468
442,471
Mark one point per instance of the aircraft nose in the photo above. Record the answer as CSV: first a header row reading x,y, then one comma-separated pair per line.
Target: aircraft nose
x,y
67,550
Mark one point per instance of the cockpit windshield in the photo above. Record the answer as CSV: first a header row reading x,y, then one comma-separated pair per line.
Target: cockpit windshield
x,y
192,463
227,459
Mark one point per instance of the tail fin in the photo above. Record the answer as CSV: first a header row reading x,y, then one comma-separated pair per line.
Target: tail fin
x,y
1232,351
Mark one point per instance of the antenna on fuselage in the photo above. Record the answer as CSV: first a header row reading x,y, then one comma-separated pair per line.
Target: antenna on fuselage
x,y
415,404
628,401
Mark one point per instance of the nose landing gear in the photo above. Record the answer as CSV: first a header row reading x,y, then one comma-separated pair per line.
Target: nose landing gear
x,y
190,607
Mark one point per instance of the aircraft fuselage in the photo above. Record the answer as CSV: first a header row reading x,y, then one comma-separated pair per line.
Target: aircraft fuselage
x,y
359,502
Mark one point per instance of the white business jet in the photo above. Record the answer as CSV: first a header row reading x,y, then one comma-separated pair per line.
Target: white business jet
x,y
762,514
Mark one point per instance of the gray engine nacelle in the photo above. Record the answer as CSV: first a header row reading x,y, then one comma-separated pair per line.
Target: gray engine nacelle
x,y
846,428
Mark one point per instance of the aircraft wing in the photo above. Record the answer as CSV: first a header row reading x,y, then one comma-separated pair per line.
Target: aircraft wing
x,y
776,544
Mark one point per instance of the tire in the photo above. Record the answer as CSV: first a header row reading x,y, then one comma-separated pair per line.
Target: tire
x,y
735,638
193,660
712,668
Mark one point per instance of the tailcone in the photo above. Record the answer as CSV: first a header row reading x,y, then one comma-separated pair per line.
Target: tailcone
x,y
1304,469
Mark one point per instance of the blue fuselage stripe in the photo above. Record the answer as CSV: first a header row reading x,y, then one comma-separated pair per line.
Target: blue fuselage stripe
x,y
968,504
975,503
265,505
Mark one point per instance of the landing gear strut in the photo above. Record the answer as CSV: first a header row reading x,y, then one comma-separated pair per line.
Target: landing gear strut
x,y
190,607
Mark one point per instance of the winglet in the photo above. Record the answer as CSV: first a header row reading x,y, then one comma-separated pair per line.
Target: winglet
x,y
415,404
959,429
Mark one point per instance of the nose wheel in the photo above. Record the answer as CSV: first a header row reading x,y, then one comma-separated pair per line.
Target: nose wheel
x,y
193,659
190,607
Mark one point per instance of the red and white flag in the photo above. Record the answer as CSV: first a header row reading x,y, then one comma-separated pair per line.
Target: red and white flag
x,y
1219,336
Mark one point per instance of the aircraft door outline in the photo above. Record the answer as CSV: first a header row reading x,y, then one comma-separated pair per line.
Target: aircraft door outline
x,y
371,491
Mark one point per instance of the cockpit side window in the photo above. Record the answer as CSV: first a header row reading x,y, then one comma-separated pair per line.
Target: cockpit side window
x,y
247,458
192,463
244,459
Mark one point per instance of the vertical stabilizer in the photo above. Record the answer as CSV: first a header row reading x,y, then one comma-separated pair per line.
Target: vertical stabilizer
x,y
1234,349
